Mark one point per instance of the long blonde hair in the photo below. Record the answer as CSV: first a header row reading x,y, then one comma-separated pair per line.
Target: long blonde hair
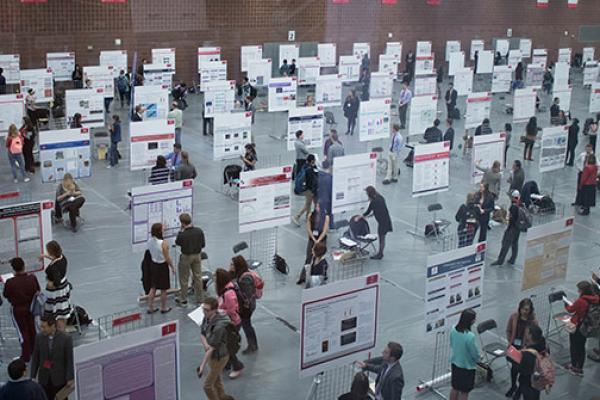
x,y
68,183
13,131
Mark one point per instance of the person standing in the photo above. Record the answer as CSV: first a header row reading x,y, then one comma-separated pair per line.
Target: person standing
x,y
14,147
115,138
587,185
185,170
20,386
518,84
389,382
58,288
535,348
247,282
380,211
124,88
76,121
284,69
433,134
249,158
451,96
20,292
572,141
449,134
581,162
30,106
52,359
191,241
351,105
410,64
28,133
77,77
174,157
177,115
593,133
301,151
547,81
486,205
508,132
405,98
484,128
492,177
394,155
531,131
554,112
228,303
465,356
292,69
317,227
516,178
335,148
312,186
159,270
510,239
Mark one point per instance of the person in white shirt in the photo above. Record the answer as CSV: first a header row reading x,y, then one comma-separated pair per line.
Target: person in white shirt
x,y
395,147
177,115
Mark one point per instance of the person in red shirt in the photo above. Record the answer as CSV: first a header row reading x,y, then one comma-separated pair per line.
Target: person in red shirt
x,y
587,185
20,291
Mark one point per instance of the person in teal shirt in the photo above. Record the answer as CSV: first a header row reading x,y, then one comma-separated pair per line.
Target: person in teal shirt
x,y
464,356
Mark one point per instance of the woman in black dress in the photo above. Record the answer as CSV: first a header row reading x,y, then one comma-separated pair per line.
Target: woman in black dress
x,y
380,211
159,271
58,289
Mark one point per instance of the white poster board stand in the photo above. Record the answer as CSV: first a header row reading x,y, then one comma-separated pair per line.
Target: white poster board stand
x,y
502,46
249,53
351,175
422,113
525,46
431,168
540,56
394,49
523,104
381,85
288,52
564,96
41,80
328,92
535,76
553,152
360,49
388,64
101,77
309,120
452,46
282,93
219,97
374,119
309,68
232,132
594,98
423,48
486,150
463,81
590,73
564,56
514,57
12,110
425,85
65,151
117,59
208,54
456,60
87,102
327,53
259,72
588,54
165,57
479,106
154,100
211,71
11,64
349,68
485,62
148,140
561,75
424,64
477,45
157,75
62,64
501,79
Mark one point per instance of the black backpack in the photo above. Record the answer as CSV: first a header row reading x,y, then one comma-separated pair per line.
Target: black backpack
x,y
280,264
84,318
524,221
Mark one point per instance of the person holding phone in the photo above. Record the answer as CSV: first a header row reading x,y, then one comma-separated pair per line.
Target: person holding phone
x,y
68,199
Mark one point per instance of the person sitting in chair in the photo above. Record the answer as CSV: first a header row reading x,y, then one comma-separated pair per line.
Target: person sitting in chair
x,y
68,199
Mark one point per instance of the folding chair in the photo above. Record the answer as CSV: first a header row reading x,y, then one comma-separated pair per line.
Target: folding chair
x,y
382,163
330,121
557,318
493,350
439,225
241,246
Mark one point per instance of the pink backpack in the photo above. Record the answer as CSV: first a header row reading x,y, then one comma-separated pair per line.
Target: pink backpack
x,y
16,145
545,372
259,284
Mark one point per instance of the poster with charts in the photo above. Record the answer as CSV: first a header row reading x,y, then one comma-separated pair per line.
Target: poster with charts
x,y
12,110
360,49
208,54
523,104
327,53
232,132
374,119
485,62
288,52
564,97
540,56
535,76
61,64
265,199
456,61
381,85
338,323
553,152
351,175
102,77
349,68
11,64
165,57
212,71
148,140
144,364
309,68
259,72
394,49
309,120
547,253
425,85
501,79
117,59
424,65
431,168
477,45
561,75
219,97
162,203
514,57
328,92
389,64
502,46
422,113
157,75
454,283
154,100
247,54
479,106
65,151
486,150
452,46
25,229
423,49
595,98
463,81
564,56
87,102
282,93
590,73
588,54
41,81
525,46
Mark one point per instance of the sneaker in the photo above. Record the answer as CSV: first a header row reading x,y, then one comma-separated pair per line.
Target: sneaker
x,y
386,182
27,179
15,180
235,374
394,180
109,166
496,263
180,303
296,221
577,371
511,262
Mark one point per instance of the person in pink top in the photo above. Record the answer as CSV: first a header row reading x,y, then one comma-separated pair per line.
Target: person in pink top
x,y
228,293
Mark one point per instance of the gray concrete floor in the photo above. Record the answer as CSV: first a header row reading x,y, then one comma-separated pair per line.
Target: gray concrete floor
x,y
105,270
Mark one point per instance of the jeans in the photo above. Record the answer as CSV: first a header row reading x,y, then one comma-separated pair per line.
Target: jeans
x,y
528,149
124,97
577,349
187,263
235,363
351,125
213,386
402,114
249,332
16,161
178,135
72,207
113,154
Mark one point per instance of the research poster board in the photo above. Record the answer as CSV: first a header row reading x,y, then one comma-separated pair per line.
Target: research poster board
x,y
117,59
456,60
485,62
349,68
425,85
309,68
212,71
309,120
523,104
282,93
163,203
327,53
588,54
41,81
553,152
394,49
25,229
502,46
547,253
339,323
431,168
535,76
454,283
165,57
525,46
157,75
328,92
12,110
61,64
452,46
486,150
247,54
374,119
540,56
501,78
595,98
143,364
424,64
265,199
422,113
87,102
232,132
423,48
65,151
101,77
360,49
288,52
351,175
381,85
564,96
479,106
154,100
388,64
259,72
590,73
148,140
514,57
219,97
477,45
564,56
11,64
463,81
561,75
209,54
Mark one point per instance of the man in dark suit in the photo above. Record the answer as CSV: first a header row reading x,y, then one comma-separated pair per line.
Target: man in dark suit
x,y
390,379
451,96
52,359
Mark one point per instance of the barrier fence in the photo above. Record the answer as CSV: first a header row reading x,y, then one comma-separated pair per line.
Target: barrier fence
x,y
440,371
331,384
121,322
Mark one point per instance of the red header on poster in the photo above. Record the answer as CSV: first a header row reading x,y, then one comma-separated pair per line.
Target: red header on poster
x,y
114,1
389,2
572,3
542,3
33,1
340,1
434,2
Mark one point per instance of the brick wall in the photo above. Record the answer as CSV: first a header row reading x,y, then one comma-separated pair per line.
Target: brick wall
x,y
72,25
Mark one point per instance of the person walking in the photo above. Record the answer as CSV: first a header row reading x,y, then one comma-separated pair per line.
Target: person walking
x,y
312,185
451,97
177,115
28,132
351,105
510,239
22,387
396,146
191,241
572,141
531,131
14,147
508,131
228,291
465,356
516,178
379,209
115,138
449,134
185,170
403,103
159,269
58,288
249,284
485,199
587,185
389,382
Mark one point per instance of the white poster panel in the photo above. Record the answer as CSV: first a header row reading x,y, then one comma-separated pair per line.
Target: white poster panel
x,y
265,199
501,79
208,54
523,104
535,76
339,323
351,175
486,150
514,57
328,92
148,140
232,132
288,52
65,150
590,73
41,81
425,84
117,59
422,113
424,65
477,45
547,253
381,85
423,49
282,93
485,62
144,362
564,56
454,283
374,119
479,106
394,49
219,97
25,229
456,60
564,96
162,203
431,168
525,46
360,49
309,68
588,54
154,100
388,64
309,120
327,53
452,46
247,54
165,57
157,75
561,75
101,77
259,72
11,64
61,64
87,102
463,81
502,46
12,110
212,71
553,152
595,98
540,56
349,68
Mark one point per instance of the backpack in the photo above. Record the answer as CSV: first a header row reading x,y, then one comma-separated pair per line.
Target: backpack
x,y
82,315
300,182
244,305
590,324
280,264
122,84
233,338
545,372
253,92
524,221
16,145
259,284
